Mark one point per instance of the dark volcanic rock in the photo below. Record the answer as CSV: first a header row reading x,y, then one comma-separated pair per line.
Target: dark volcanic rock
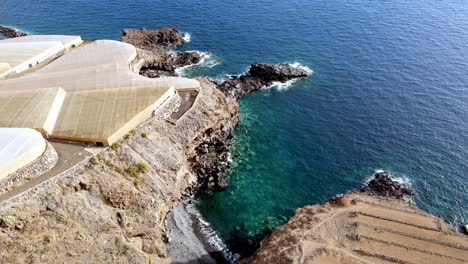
x,y
211,160
11,32
276,72
180,59
464,229
156,48
384,185
261,76
163,63
151,39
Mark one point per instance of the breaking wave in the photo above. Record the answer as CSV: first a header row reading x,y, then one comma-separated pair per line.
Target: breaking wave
x,y
208,60
187,37
210,235
283,86
400,179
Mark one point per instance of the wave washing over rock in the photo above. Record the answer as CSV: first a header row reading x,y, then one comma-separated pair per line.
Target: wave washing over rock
x,y
261,76
11,32
207,60
157,50
190,237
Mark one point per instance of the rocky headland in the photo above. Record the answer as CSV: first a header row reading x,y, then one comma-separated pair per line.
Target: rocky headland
x,y
119,207
157,48
113,208
376,224
9,32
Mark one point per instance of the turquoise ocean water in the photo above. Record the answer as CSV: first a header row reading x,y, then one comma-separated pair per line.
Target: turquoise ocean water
x,y
389,91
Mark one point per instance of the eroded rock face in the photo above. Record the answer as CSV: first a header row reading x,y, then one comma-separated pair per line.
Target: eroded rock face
x,y
164,63
261,76
156,49
154,39
103,213
210,160
11,32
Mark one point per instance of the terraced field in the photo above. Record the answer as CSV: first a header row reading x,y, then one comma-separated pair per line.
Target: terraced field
x,y
365,229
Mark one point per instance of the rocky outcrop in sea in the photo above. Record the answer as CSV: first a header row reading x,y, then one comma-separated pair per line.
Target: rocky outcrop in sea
x,y
10,32
384,185
157,48
167,38
261,76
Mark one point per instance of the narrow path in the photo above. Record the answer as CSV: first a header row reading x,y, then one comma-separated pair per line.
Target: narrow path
x,y
69,155
188,99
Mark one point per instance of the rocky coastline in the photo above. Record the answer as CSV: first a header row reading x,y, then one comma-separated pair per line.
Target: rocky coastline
x,y
157,48
114,209
126,205
10,32
376,224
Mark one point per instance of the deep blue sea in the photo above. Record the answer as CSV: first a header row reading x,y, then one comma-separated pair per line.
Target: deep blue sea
x,y
389,91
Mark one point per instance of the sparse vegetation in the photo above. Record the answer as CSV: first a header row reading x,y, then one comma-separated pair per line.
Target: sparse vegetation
x,y
119,170
61,217
94,160
137,182
193,93
143,167
107,227
117,145
137,169
30,248
133,171
7,221
144,135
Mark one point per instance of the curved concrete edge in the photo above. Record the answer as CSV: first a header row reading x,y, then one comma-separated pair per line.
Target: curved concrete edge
x,y
43,164
18,148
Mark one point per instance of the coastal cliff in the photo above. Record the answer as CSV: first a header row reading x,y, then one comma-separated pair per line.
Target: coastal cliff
x,y
377,224
113,210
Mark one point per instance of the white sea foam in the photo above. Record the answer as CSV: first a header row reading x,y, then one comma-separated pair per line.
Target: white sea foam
x,y
302,67
211,235
186,37
402,179
18,29
283,86
208,60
